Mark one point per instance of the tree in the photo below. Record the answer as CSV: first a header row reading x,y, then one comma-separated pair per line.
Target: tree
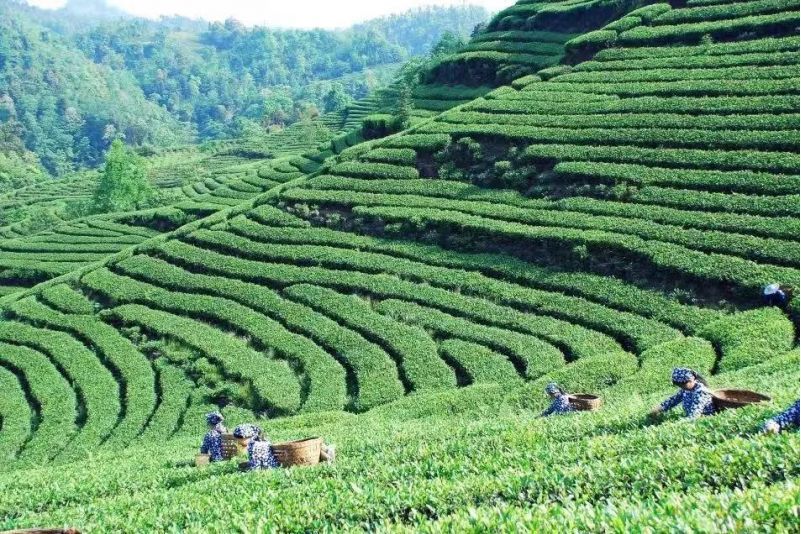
x,y
336,99
404,107
448,44
123,184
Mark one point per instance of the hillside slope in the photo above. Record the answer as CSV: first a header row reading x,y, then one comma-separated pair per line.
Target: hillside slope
x,y
595,224
196,184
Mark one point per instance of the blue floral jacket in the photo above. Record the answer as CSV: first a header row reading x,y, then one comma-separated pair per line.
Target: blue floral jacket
x,y
788,417
560,405
260,455
212,443
696,402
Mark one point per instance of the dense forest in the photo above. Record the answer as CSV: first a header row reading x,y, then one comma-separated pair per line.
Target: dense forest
x,y
75,79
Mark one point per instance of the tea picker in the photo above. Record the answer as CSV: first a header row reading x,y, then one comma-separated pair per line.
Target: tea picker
x,y
787,419
213,440
694,395
775,295
561,401
264,455
260,453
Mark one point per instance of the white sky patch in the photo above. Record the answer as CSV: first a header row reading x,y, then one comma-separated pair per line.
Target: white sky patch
x,y
280,13
47,4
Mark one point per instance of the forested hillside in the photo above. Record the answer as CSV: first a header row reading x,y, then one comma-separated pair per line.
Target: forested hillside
x,y
584,197
69,86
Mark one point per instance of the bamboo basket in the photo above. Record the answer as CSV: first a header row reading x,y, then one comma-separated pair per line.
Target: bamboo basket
x,y
584,402
730,399
230,447
300,452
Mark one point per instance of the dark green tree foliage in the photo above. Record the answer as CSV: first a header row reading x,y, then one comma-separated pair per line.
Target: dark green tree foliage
x,y
18,166
336,99
419,30
234,67
76,79
62,104
123,185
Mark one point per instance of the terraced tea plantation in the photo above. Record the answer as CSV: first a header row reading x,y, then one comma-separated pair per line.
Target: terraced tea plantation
x,y
603,200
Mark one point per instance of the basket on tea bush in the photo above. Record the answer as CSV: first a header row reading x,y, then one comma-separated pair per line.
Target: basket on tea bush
x,y
300,452
584,402
725,399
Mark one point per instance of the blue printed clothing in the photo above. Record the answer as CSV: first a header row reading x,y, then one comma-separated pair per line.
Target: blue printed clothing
x,y
247,431
788,417
560,405
696,402
260,455
212,443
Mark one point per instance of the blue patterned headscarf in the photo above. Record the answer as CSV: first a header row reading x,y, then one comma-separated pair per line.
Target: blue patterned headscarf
x,y
214,418
552,388
247,431
682,375
770,289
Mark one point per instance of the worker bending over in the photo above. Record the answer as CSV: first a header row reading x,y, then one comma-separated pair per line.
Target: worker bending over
x,y
694,395
787,419
212,441
260,452
560,403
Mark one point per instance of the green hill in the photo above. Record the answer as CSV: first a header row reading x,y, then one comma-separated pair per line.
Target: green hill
x,y
73,79
595,220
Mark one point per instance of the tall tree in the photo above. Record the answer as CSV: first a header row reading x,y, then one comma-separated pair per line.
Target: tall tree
x,y
336,99
123,184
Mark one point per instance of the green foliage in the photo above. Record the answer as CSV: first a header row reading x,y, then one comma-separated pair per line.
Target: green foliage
x,y
725,51
699,14
15,413
750,338
715,160
398,156
375,170
757,248
275,385
610,291
163,83
380,125
596,225
94,384
57,403
579,340
767,25
746,275
592,41
19,170
175,396
325,377
478,363
117,353
123,185
530,355
415,352
658,362
67,300
780,141
531,101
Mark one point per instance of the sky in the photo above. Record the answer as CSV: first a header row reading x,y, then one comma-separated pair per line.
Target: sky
x,y
280,13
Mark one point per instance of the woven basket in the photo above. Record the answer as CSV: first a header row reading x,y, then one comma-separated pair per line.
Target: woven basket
x,y
202,460
584,402
230,446
726,399
301,452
